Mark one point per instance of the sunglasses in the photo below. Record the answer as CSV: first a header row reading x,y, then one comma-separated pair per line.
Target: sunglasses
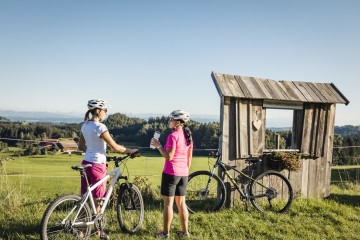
x,y
105,110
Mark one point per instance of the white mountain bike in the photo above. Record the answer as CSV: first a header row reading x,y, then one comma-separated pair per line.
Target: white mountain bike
x,y
72,216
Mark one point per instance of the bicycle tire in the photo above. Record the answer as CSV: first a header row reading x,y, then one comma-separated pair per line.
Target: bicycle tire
x,y
130,212
55,226
200,199
276,197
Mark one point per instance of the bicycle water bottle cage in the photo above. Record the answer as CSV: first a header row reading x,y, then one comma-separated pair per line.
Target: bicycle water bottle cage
x,y
81,167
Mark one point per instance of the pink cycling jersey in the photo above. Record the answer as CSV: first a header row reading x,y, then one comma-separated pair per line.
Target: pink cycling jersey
x,y
178,166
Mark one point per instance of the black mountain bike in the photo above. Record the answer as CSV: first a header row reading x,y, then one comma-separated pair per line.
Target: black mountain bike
x,y
269,191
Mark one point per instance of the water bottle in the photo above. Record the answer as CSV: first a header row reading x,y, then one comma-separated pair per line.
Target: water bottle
x,y
156,136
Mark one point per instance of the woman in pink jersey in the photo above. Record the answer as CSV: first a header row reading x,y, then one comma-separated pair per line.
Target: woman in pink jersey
x,y
178,154
93,141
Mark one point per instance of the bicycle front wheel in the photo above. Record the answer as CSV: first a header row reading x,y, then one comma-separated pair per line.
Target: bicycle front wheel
x,y
271,191
59,221
205,192
130,208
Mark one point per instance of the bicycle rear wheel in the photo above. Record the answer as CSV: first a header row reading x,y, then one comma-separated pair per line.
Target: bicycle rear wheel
x,y
58,219
205,193
130,208
271,191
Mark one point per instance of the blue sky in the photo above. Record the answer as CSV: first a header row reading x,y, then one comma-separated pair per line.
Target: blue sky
x,y
157,56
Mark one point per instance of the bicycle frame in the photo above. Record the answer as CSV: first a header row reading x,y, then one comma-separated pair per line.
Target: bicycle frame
x,y
225,168
116,174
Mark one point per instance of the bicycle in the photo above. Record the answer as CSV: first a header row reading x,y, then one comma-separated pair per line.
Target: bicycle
x,y
269,191
71,216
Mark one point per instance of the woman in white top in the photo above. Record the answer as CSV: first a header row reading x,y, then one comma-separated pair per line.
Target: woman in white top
x,y
93,141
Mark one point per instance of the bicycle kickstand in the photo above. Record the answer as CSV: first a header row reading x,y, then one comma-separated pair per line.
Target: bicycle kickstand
x,y
247,205
103,235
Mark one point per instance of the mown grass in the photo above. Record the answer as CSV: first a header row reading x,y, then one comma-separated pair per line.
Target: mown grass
x,y
24,198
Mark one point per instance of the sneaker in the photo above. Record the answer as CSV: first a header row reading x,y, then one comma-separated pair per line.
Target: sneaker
x,y
184,234
162,235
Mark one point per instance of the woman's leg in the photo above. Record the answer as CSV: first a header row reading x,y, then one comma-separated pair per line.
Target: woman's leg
x,y
168,213
183,213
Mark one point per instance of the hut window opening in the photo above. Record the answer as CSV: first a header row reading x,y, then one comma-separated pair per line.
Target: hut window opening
x,y
279,126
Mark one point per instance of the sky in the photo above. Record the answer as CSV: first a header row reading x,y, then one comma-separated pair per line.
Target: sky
x,y
153,57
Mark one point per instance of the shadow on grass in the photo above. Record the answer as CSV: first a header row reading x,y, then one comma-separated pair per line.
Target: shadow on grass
x,y
17,229
346,199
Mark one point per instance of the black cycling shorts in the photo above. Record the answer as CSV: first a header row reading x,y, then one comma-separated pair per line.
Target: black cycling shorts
x,y
173,185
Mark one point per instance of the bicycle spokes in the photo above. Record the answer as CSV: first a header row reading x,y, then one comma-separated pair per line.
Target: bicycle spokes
x,y
271,191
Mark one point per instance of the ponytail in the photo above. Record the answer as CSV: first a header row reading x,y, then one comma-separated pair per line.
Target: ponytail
x,y
87,117
187,134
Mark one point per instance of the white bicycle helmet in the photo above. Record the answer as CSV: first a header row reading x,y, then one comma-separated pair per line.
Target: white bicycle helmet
x,y
98,103
180,115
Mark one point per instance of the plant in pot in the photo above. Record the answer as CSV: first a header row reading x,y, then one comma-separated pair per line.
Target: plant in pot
x,y
285,160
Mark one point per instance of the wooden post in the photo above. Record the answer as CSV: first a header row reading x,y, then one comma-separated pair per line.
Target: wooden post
x,y
277,141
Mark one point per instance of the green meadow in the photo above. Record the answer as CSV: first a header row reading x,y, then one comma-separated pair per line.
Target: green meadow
x,y
29,184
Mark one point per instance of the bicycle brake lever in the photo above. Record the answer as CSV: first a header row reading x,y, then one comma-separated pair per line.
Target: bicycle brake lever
x,y
135,154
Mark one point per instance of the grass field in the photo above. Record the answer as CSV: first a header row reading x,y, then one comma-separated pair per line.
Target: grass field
x,y
28,184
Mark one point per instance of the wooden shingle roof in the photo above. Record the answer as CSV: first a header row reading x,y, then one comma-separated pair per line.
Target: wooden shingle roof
x,y
260,88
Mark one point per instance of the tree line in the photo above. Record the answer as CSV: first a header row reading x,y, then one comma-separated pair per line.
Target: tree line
x,y
131,131
125,130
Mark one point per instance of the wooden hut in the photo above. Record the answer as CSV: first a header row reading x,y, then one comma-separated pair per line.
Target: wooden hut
x,y
244,101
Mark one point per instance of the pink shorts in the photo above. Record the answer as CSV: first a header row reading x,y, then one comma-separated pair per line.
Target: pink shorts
x,y
94,174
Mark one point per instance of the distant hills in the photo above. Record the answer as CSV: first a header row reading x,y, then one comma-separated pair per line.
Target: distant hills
x,y
38,116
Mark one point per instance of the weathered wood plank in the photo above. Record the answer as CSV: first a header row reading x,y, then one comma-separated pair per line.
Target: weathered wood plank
x,y
232,130
307,129
233,86
253,90
312,92
244,133
259,88
237,130
258,135
290,94
294,91
335,93
297,129
269,88
326,92
218,88
243,87
279,88
321,130
264,91
280,94
249,128
305,178
314,130
329,146
312,177
304,92
317,92
318,89
345,100
224,88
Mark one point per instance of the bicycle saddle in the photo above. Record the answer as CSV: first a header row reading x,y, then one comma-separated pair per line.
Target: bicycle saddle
x,y
80,167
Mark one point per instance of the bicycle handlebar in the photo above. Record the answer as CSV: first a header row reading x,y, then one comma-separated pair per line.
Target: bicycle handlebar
x,y
119,159
214,154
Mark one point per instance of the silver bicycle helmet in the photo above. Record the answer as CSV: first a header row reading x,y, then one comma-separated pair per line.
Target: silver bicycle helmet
x,y
180,115
98,103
